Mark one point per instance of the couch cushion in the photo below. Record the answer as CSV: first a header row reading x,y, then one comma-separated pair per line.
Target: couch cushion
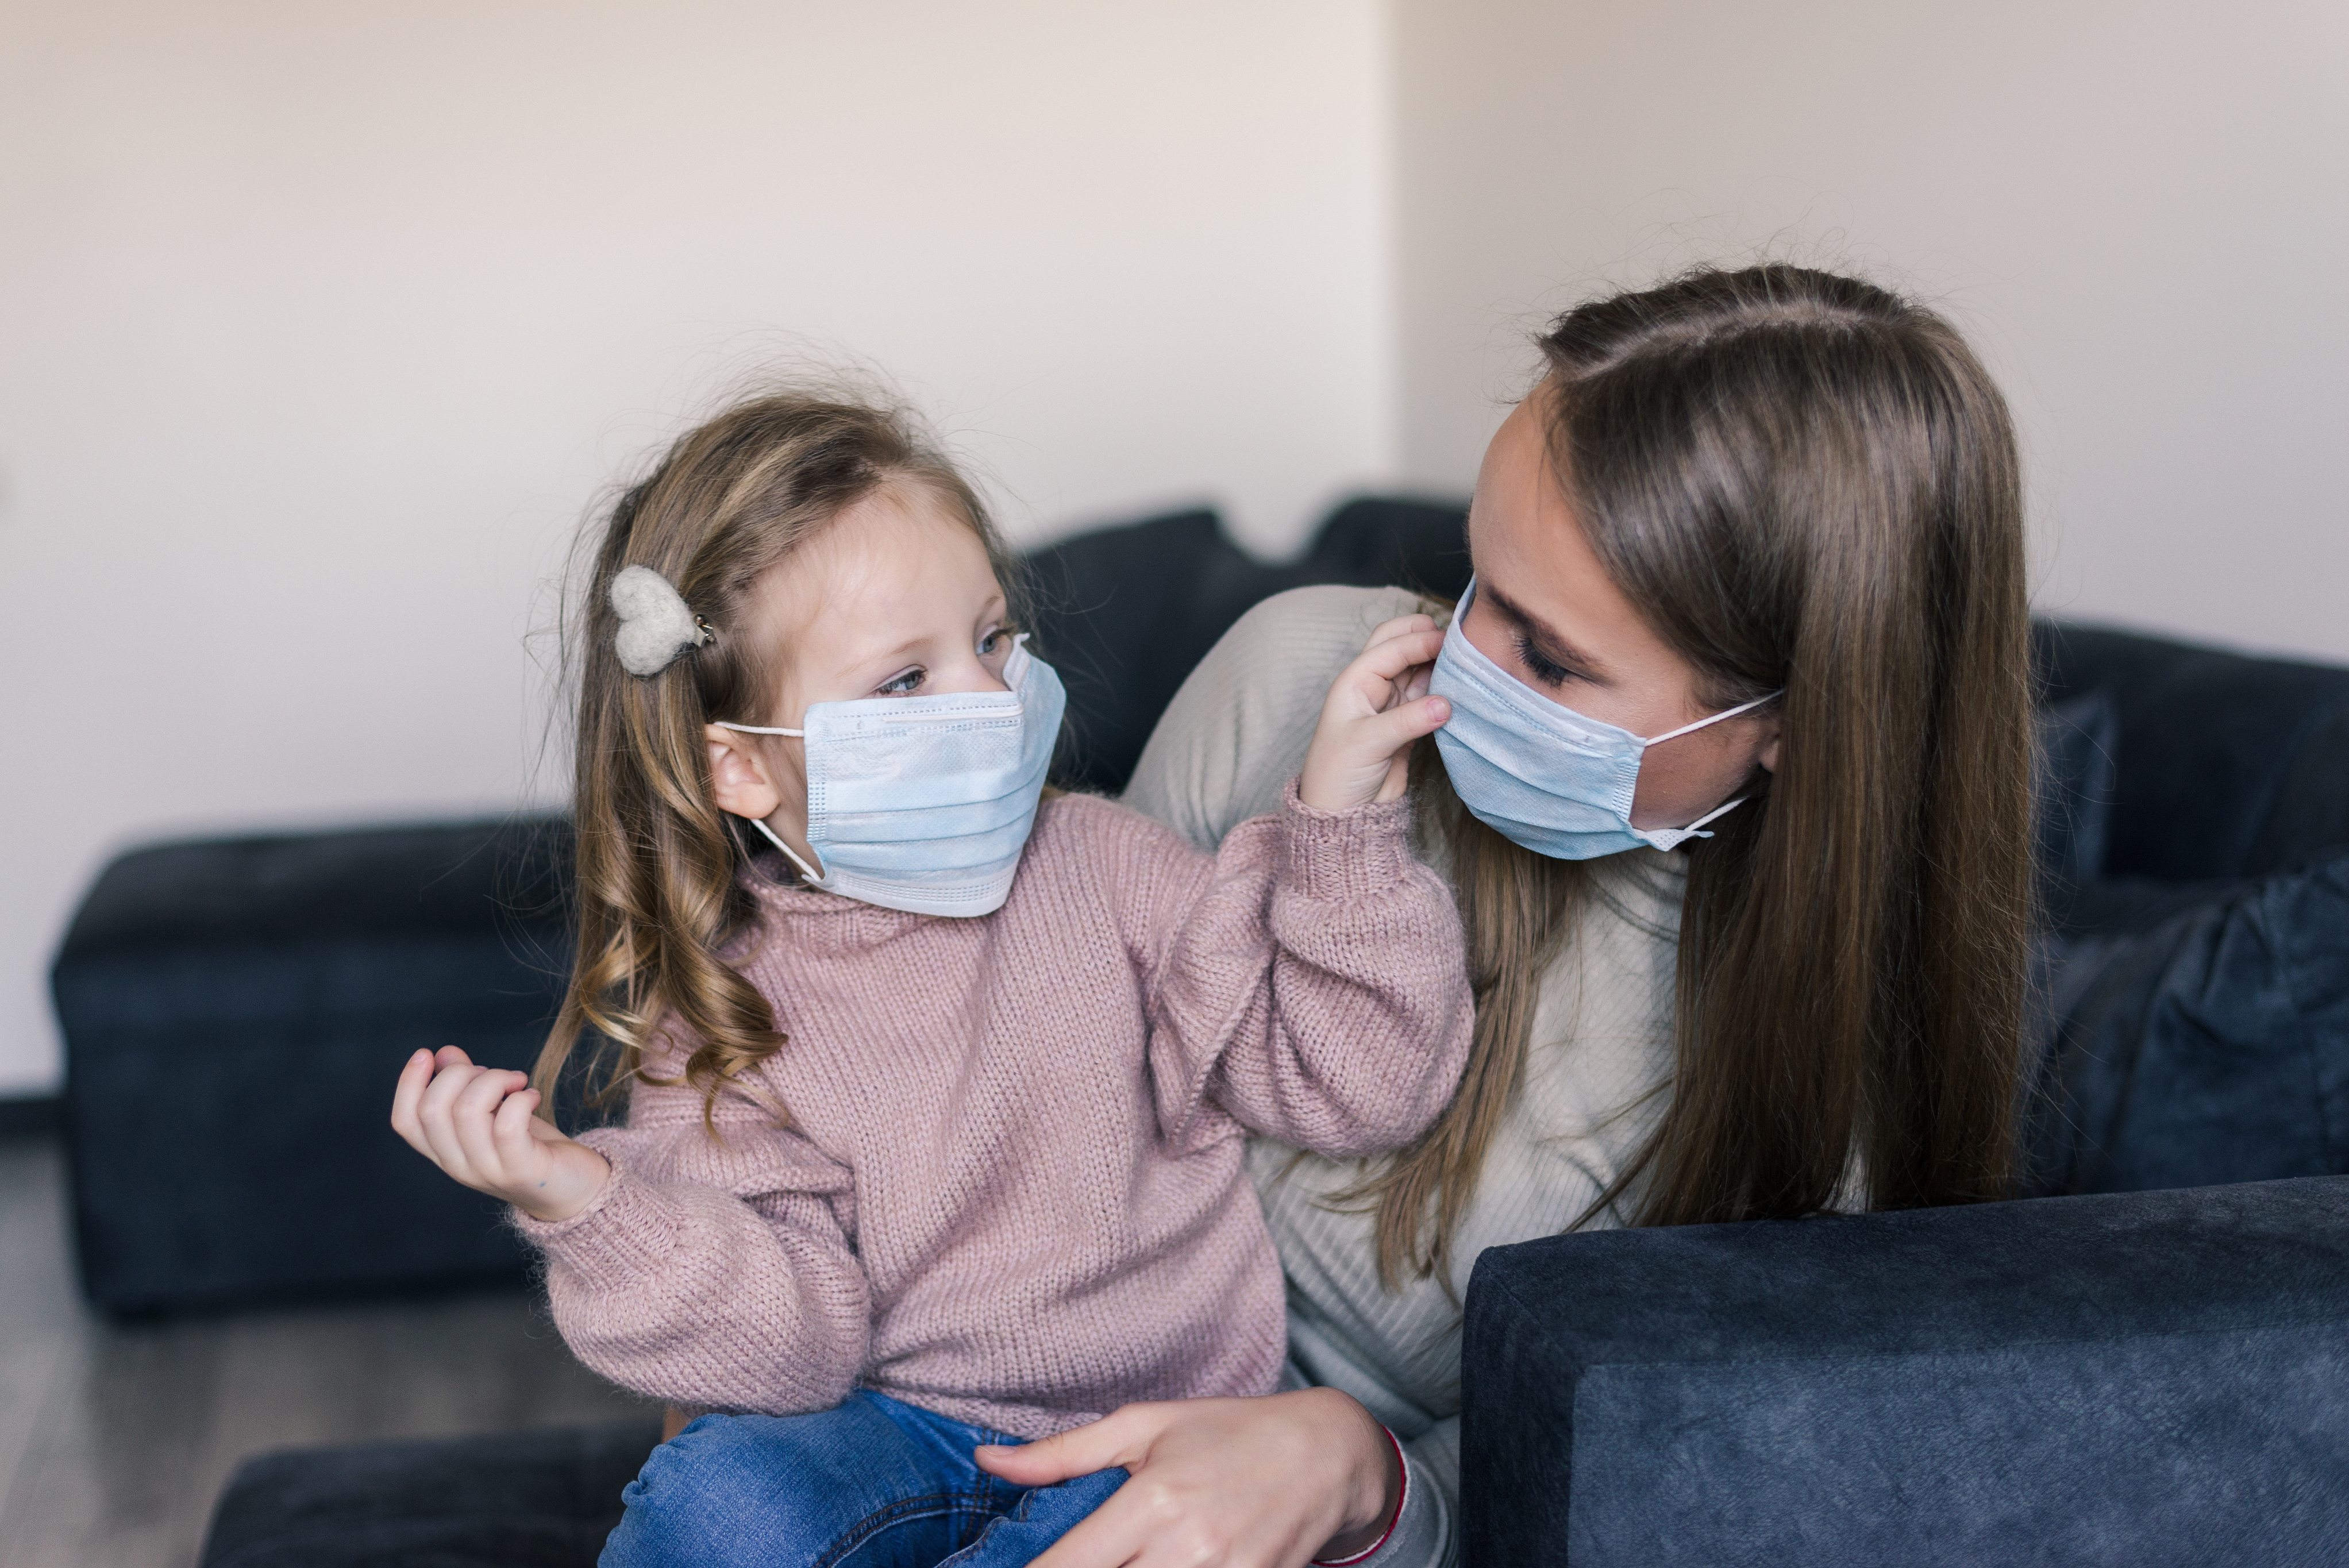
x,y
2151,1379
2202,1035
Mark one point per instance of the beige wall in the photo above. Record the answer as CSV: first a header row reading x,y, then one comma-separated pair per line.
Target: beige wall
x,y
2137,211
320,324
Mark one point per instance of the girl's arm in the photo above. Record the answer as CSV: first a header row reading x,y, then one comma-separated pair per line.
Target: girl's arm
x,y
1313,983
713,1273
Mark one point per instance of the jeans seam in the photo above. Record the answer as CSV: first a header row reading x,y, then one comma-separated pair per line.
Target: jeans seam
x,y
881,1519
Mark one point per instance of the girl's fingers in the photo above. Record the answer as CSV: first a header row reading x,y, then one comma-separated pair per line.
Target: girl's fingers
x,y
407,1096
1399,727
1389,659
518,1153
1401,625
475,1116
433,1115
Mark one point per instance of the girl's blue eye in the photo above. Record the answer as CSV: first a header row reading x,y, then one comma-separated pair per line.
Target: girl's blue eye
x,y
995,642
904,685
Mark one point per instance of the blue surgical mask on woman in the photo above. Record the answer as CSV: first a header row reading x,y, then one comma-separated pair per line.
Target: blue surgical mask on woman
x,y
924,803
1537,772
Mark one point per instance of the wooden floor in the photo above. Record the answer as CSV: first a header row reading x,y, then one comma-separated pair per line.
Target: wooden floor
x,y
114,1440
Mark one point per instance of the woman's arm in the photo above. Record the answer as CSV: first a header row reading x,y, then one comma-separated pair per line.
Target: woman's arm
x,y
1236,732
1273,1482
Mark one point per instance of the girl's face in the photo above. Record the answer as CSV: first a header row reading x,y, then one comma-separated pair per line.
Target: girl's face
x,y
1546,612
895,598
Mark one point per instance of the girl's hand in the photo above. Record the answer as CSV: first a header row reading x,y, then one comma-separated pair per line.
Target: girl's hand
x,y
1377,707
477,1124
1273,1482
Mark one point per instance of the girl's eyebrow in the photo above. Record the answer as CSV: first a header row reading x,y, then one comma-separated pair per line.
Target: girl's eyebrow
x,y
1547,640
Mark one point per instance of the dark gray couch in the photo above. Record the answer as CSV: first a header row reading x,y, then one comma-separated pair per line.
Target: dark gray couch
x,y
2196,1031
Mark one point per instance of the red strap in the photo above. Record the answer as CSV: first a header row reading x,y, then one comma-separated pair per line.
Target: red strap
x,y
1402,1494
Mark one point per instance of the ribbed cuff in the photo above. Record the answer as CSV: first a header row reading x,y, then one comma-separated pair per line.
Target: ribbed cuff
x,y
1403,1496
1341,855
623,1232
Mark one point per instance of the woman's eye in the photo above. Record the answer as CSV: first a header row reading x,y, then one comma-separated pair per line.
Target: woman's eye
x,y
1550,672
903,685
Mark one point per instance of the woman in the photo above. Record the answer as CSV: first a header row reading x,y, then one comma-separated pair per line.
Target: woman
x,y
1781,507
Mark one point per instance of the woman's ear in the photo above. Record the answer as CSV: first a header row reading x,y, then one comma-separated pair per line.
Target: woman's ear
x,y
1768,756
739,780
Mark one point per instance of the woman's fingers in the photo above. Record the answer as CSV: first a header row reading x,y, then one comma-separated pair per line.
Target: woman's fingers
x,y
1113,1535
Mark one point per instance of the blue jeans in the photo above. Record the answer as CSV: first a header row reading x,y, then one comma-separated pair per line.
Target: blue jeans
x,y
871,1482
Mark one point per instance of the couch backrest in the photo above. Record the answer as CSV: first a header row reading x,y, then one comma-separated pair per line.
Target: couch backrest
x,y
2228,766
1124,614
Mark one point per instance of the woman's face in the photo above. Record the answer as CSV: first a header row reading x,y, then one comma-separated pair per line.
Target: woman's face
x,y
1546,612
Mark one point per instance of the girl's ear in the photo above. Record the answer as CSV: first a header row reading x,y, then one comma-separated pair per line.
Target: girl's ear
x,y
739,780
1768,756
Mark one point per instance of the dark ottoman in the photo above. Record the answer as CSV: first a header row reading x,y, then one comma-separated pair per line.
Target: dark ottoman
x,y
235,1013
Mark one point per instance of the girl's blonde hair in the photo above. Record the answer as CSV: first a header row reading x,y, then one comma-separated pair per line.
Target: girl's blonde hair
x,y
658,892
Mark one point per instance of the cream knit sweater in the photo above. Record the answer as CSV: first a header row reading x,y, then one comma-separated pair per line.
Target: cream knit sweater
x,y
1013,1189
1596,1076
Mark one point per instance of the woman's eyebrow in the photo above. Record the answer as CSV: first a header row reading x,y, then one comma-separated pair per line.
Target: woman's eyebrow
x,y
1547,640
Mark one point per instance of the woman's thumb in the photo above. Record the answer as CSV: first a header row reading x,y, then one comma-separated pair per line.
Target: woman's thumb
x,y
1080,1450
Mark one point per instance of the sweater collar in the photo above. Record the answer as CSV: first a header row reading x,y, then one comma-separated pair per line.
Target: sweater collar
x,y
809,917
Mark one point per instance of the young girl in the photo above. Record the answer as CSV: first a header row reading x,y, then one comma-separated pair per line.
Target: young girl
x,y
935,1125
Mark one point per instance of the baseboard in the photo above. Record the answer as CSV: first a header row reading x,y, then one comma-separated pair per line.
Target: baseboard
x,y
23,1115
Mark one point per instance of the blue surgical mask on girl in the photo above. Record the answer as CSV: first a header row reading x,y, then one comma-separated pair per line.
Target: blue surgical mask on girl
x,y
924,803
1535,771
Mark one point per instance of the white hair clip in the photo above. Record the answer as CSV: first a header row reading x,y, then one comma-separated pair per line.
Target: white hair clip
x,y
656,626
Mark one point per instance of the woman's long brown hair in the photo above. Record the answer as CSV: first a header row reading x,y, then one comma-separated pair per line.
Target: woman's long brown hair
x,y
657,893
1808,485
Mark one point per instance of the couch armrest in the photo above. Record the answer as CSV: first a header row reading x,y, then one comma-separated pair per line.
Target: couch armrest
x,y
2152,1378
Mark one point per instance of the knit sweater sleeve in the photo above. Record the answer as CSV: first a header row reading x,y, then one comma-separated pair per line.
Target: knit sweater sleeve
x,y
716,1273
1310,981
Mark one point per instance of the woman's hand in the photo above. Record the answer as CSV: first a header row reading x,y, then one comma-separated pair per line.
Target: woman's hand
x,y
476,1124
1272,1482
1377,707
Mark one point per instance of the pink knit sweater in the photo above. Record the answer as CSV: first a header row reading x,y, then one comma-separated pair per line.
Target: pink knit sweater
x,y
1012,1192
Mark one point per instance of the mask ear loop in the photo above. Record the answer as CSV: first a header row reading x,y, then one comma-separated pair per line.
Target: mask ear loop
x,y
806,870
1727,806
